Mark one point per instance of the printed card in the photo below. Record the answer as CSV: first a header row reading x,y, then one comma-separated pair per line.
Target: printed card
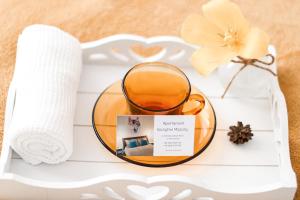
x,y
158,135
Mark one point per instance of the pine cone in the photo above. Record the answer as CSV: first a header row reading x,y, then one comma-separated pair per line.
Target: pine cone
x,y
240,134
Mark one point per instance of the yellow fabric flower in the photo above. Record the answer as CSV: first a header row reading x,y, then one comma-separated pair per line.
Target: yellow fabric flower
x,y
223,33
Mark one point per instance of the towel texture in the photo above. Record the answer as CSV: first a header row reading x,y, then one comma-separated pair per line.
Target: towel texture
x,y
46,78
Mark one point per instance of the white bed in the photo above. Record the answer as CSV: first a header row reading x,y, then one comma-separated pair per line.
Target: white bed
x,y
146,150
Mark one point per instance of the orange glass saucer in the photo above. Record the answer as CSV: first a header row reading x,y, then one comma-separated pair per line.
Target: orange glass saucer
x,y
112,103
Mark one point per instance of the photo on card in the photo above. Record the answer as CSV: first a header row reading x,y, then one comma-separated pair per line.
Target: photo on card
x,y
135,135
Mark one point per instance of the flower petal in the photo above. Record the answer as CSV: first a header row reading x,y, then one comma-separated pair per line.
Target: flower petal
x,y
198,30
226,15
255,44
206,60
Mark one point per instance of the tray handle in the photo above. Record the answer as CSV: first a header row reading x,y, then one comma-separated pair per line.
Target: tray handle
x,y
118,50
280,123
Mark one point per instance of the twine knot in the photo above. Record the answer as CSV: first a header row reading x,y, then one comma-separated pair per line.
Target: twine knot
x,y
247,61
250,62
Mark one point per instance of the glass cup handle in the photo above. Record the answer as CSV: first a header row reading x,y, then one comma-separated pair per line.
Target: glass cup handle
x,y
189,109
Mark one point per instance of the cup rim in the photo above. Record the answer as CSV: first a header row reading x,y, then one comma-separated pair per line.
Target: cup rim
x,y
160,64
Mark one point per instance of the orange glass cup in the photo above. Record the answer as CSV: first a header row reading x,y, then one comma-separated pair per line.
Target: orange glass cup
x,y
156,88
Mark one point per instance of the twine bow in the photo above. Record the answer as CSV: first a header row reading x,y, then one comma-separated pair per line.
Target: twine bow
x,y
250,62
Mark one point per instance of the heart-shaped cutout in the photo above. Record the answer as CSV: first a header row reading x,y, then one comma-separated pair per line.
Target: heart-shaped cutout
x,y
108,191
90,196
146,52
151,193
183,194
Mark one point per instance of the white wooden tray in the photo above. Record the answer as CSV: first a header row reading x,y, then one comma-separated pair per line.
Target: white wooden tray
x,y
260,169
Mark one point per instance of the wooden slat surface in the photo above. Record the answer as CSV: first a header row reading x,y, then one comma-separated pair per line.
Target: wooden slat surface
x,y
96,78
228,111
222,164
260,152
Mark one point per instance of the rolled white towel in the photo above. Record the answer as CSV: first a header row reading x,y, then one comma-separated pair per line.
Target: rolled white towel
x,y
46,77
